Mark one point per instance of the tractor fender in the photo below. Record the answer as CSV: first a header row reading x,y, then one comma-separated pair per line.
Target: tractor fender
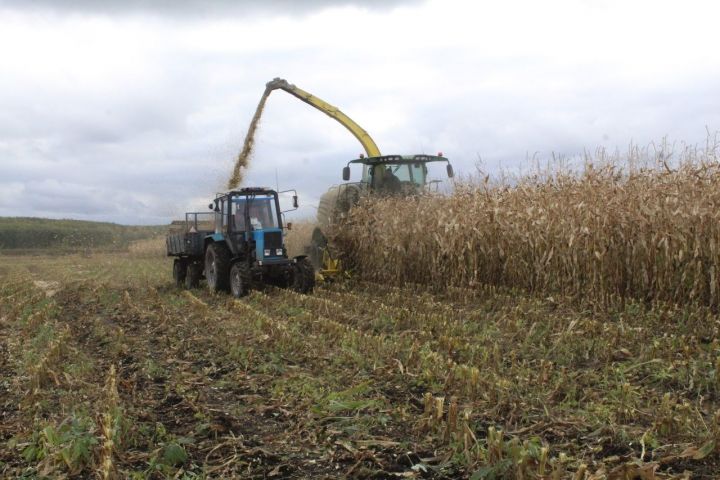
x,y
215,237
239,258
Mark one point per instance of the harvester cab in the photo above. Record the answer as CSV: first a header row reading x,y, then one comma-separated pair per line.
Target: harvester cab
x,y
241,247
406,174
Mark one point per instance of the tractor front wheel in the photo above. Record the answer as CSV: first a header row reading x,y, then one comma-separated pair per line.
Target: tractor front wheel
x,y
240,279
303,280
179,271
217,266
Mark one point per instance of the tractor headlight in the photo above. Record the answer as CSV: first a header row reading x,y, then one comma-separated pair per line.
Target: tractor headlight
x,y
278,251
266,252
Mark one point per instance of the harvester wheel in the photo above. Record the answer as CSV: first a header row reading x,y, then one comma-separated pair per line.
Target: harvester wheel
x,y
217,267
179,271
194,272
303,275
318,243
240,279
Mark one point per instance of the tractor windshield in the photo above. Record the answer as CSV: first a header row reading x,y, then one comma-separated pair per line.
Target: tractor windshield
x,y
261,212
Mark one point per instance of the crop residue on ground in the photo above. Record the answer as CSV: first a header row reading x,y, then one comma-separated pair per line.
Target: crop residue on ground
x,y
119,371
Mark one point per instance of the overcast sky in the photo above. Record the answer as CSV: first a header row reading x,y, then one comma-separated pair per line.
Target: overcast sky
x,y
133,111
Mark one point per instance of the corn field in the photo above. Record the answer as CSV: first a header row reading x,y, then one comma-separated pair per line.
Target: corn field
x,y
613,231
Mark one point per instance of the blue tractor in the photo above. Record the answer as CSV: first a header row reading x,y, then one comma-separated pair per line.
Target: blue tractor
x,y
237,246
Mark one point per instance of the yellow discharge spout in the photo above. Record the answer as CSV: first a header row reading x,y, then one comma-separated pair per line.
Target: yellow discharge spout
x,y
371,149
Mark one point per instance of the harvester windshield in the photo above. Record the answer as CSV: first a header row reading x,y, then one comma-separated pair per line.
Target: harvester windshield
x,y
396,172
404,172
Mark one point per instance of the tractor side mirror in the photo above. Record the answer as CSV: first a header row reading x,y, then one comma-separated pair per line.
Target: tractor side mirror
x,y
295,201
450,172
346,174
210,206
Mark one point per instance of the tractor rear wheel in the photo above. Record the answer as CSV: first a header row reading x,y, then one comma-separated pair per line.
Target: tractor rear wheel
x,y
179,271
217,267
240,279
303,276
194,272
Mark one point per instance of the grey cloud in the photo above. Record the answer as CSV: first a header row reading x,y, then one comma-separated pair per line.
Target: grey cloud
x,y
146,151
59,199
193,8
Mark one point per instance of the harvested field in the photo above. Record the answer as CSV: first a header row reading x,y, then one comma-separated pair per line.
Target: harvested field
x,y
110,371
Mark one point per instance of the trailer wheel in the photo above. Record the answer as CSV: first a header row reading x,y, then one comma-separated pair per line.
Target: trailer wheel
x,y
194,272
303,275
179,271
240,279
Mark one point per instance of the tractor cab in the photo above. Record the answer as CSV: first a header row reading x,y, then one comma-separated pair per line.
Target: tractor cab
x,y
250,221
396,173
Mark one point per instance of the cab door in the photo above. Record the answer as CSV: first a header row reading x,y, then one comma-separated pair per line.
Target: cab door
x,y
237,225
